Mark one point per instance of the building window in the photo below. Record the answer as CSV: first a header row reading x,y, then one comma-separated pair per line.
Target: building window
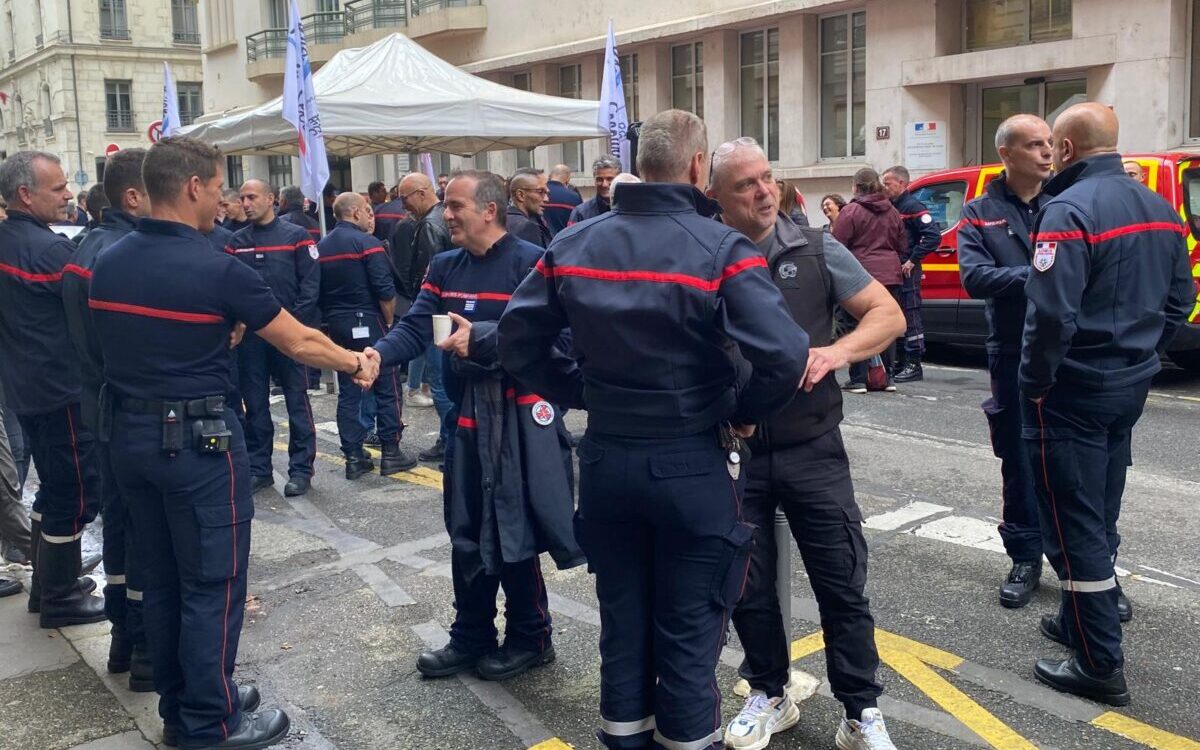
x,y
1045,100
570,86
234,177
184,21
118,104
521,82
760,89
1007,23
191,102
279,171
687,78
277,13
844,85
629,79
114,21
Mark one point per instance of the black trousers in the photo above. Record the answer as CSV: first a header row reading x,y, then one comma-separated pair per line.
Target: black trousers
x,y
811,481
258,362
64,452
1021,529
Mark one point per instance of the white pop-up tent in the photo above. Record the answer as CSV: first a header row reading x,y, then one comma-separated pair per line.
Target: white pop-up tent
x,y
395,96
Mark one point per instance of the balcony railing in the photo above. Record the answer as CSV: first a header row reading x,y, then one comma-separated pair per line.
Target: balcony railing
x,y
324,28
109,32
120,121
266,44
187,37
426,6
375,14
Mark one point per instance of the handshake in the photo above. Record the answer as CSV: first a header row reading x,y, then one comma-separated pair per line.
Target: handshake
x,y
368,368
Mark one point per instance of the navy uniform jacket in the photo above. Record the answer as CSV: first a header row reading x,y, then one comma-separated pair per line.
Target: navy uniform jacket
x,y
355,275
531,229
219,237
234,225
558,207
38,365
116,224
653,292
923,233
995,247
1111,281
589,209
304,221
387,216
286,257
163,335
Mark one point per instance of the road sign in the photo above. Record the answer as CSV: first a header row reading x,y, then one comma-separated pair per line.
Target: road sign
x,y
154,132
111,149
81,177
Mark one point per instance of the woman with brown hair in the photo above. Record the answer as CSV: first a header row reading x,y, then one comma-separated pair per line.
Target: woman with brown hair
x,y
831,206
791,203
872,229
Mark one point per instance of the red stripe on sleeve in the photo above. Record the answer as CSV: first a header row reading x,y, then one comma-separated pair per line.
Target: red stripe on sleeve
x,y
466,423
79,271
431,288
21,273
756,261
155,312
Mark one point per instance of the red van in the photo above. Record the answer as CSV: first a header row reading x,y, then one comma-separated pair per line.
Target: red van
x,y
953,317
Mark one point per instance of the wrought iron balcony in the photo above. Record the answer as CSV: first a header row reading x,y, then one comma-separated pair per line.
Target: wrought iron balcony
x,y
187,37
375,14
426,6
324,28
266,44
114,32
120,121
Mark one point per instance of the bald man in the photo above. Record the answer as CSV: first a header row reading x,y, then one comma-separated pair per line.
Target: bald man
x,y
1110,286
1134,170
286,257
527,194
561,199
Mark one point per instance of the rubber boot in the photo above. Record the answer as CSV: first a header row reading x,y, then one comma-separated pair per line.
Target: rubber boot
x,y
120,649
63,599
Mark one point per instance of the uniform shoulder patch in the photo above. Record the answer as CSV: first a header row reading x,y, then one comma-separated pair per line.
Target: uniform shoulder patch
x,y
543,413
926,218
787,270
313,252
1043,255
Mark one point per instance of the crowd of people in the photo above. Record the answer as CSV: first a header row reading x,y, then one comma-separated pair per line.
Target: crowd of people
x,y
690,310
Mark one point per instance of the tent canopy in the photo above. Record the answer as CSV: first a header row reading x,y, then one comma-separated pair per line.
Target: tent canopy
x,y
395,96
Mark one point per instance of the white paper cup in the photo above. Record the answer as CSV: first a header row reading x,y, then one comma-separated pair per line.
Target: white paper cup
x,y
441,328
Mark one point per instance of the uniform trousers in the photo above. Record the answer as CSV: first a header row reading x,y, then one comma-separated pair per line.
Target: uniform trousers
x,y
258,362
385,392
63,450
191,516
811,481
910,302
660,522
1021,529
123,583
1079,445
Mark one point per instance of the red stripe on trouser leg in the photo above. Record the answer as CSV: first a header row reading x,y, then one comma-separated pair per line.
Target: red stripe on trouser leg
x,y
78,472
1061,540
228,585
537,601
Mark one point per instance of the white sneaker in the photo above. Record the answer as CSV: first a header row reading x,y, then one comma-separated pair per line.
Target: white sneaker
x,y
416,399
868,734
760,718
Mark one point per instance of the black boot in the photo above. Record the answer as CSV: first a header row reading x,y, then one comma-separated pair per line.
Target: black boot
x,y
358,463
1069,676
1051,627
1023,580
506,663
912,371
35,582
296,486
1124,606
141,671
436,452
445,661
256,731
9,587
248,698
901,360
395,459
120,649
63,600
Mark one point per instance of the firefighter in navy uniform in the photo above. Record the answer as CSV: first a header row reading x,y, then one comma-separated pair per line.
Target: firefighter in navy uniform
x,y
388,216
358,300
40,373
178,451
286,257
473,283
604,170
291,208
561,200
923,238
661,464
995,246
1111,284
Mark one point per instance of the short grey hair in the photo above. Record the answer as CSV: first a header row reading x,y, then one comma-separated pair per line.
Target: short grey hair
x,y
489,188
292,197
1008,129
17,171
900,172
728,150
668,142
605,162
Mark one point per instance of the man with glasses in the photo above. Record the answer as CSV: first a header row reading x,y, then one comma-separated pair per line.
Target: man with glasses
x,y
527,193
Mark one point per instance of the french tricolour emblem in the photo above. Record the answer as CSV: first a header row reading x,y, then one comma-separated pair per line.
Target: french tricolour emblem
x,y
1043,255
543,413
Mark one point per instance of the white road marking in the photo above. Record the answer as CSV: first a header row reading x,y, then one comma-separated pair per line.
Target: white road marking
x,y
948,368
330,427
963,531
894,519
1172,575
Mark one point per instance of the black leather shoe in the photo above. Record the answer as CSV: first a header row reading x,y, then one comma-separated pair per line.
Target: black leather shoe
x,y
505,663
1051,627
358,464
445,661
372,439
435,452
395,459
1022,581
1070,677
261,483
296,486
141,671
1124,607
120,650
256,731
912,372
8,587
248,697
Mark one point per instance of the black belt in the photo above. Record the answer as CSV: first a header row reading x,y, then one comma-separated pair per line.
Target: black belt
x,y
197,408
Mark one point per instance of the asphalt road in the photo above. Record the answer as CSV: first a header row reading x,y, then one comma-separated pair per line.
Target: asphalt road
x,y
351,582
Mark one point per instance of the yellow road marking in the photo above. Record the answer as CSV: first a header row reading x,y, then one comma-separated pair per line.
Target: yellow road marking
x,y
927,654
1132,729
809,644
957,703
419,475
553,743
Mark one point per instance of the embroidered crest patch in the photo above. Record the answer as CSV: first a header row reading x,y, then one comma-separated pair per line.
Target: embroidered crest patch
x,y
543,413
313,252
1043,255
787,271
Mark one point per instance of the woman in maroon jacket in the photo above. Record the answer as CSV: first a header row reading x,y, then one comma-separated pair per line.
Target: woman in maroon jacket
x,y
872,229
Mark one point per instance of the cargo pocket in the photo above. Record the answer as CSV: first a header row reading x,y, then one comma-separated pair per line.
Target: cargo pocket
x,y
685,464
223,541
1058,467
729,578
994,413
